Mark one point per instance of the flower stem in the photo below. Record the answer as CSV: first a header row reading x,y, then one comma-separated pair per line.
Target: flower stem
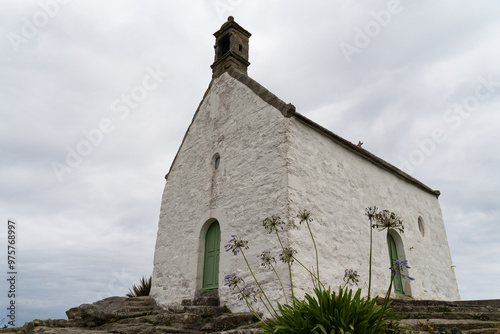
x,y
279,279
315,248
392,273
310,272
387,295
249,305
370,268
386,299
289,266
256,281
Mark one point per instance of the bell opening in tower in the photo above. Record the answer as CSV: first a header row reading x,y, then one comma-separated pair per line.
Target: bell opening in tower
x,y
224,45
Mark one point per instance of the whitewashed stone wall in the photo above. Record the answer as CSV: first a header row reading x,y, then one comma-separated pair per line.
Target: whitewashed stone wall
x,y
272,165
337,184
249,185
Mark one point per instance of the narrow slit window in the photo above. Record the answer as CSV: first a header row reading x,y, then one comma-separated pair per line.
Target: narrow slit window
x,y
216,161
421,226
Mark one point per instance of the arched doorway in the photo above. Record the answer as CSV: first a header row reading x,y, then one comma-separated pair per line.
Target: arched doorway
x,y
393,253
211,257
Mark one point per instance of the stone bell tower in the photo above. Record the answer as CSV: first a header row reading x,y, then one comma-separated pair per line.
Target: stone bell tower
x,y
231,48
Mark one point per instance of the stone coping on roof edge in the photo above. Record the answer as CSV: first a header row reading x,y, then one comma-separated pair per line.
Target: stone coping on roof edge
x,y
288,110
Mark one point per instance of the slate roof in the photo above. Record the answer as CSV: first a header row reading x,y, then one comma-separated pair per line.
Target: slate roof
x,y
288,110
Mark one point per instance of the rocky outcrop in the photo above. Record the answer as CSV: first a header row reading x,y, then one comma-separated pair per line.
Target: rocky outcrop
x,y
110,310
204,315
141,315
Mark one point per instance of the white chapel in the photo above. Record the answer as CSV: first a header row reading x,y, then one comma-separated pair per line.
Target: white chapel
x,y
248,155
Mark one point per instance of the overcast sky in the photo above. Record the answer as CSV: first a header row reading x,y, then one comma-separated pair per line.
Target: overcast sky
x,y
96,97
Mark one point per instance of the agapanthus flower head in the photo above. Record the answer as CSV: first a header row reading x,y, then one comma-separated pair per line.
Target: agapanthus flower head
x,y
386,219
351,276
398,268
248,293
287,255
371,211
236,244
305,216
272,223
267,259
403,263
232,280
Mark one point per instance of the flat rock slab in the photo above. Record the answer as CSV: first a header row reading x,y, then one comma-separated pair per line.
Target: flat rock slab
x,y
440,324
124,330
48,330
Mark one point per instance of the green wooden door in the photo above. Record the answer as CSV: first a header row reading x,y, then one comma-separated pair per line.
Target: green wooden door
x,y
398,282
211,262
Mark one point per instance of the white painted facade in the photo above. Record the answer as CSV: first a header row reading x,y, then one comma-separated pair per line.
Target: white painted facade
x,y
274,161
250,183
336,184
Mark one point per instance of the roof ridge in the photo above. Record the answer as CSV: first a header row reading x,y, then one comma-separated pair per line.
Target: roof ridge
x,y
289,110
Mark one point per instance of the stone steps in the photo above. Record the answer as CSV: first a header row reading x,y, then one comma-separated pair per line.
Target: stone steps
x,y
126,328
229,321
203,310
445,308
202,314
454,315
441,325
202,301
140,305
432,316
